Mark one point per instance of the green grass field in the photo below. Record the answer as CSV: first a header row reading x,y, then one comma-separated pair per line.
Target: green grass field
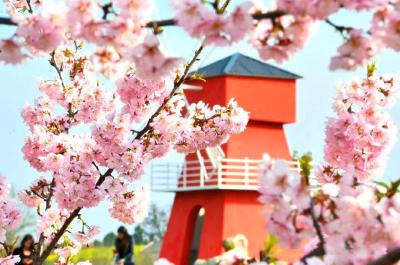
x,y
96,255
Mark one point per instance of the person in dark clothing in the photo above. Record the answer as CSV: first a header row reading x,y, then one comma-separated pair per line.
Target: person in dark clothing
x,y
25,251
124,247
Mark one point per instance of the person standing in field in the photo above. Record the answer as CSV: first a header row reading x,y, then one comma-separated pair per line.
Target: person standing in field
x,y
123,247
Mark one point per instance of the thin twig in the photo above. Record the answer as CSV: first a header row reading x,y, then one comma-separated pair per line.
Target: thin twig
x,y
30,10
389,258
172,22
341,29
48,200
53,63
223,7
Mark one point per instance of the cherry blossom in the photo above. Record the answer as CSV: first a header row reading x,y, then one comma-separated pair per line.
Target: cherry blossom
x,y
280,39
11,52
86,237
357,50
316,9
49,221
162,261
141,96
131,207
136,10
41,33
150,61
10,260
366,128
216,29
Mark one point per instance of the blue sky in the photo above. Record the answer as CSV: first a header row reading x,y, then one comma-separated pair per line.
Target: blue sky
x,y
314,97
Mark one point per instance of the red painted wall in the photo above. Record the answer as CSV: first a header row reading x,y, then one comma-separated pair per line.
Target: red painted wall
x,y
257,139
178,239
227,213
270,100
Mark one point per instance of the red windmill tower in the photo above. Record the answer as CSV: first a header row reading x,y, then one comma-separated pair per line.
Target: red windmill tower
x,y
216,191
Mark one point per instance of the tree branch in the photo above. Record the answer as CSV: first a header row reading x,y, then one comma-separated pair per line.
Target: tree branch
x,y
176,86
104,176
389,258
316,252
172,22
36,253
316,224
7,21
58,235
68,221
320,249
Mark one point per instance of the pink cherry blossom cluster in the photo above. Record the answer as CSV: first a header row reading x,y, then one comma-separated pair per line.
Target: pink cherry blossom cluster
x,y
321,9
209,127
10,260
357,50
360,45
316,9
140,97
50,220
357,143
287,197
199,21
282,38
361,136
151,63
135,203
117,29
61,21
385,26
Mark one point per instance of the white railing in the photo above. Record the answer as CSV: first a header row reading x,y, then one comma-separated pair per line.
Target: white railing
x,y
230,174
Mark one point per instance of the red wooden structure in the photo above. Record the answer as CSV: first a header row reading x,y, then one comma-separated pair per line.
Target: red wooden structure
x,y
217,198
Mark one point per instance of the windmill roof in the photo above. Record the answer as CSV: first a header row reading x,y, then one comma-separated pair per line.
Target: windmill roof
x,y
242,65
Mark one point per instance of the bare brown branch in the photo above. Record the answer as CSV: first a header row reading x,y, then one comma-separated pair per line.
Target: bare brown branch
x,y
389,258
172,22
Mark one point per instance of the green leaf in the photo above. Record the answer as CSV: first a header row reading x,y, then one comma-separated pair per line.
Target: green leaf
x,y
382,184
270,243
305,162
371,69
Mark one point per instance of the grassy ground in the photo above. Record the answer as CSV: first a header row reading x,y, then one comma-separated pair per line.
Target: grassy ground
x,y
96,255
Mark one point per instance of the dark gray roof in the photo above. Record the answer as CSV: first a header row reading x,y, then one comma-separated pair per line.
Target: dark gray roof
x,y
242,65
